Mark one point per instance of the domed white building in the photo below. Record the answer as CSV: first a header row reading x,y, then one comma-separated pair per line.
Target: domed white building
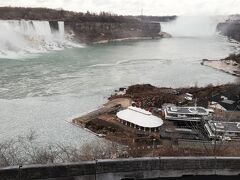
x,y
139,119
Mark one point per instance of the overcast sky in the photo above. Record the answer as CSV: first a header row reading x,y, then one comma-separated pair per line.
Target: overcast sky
x,y
133,7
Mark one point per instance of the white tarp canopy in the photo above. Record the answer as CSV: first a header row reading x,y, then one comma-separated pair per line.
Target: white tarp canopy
x,y
140,117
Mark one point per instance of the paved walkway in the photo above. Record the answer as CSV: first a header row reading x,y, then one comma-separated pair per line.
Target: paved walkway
x,y
108,107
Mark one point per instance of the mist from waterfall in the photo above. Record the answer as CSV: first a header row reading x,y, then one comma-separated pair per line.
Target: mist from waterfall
x,y
19,38
191,26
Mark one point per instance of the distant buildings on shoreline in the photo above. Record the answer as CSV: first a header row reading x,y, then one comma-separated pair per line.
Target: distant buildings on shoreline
x,y
215,121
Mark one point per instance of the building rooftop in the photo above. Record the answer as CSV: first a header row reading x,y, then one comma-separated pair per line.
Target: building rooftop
x,y
140,117
187,110
228,101
219,126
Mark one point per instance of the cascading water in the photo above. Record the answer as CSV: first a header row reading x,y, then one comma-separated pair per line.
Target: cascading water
x,y
21,37
191,26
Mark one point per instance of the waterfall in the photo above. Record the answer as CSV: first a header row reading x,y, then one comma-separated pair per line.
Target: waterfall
x,y
191,26
61,28
22,37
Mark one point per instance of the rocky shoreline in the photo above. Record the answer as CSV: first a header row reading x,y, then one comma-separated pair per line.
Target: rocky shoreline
x,y
124,39
231,27
161,35
229,65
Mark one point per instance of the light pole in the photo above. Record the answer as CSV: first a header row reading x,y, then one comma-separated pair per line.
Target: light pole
x,y
153,147
19,172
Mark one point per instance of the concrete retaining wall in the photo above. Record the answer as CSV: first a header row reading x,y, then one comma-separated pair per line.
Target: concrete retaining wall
x,y
127,168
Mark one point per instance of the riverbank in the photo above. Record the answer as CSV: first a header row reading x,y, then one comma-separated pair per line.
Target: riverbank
x,y
124,39
104,122
227,66
106,108
148,96
230,65
160,35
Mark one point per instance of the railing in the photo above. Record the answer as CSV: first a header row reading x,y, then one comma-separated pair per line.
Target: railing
x,y
131,168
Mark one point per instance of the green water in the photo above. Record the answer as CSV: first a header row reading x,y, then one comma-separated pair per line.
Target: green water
x,y
40,93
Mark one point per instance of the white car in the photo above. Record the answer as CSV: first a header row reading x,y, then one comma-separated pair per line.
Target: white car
x,y
189,98
226,138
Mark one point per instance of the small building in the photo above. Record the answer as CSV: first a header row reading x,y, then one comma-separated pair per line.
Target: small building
x,y
188,97
181,133
174,113
225,104
222,130
139,119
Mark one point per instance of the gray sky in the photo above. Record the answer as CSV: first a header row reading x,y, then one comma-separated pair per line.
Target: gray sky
x,y
150,7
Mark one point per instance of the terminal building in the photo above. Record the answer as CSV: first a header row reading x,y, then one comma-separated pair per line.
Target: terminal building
x,y
140,119
188,114
223,130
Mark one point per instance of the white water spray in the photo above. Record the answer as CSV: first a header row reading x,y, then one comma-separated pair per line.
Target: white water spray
x,y
21,38
191,26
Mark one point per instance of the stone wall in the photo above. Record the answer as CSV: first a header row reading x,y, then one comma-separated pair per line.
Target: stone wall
x,y
99,31
230,29
140,168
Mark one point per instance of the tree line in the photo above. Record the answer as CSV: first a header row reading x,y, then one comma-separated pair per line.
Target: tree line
x,y
17,13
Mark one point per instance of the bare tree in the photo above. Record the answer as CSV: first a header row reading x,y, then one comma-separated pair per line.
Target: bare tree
x,y
25,150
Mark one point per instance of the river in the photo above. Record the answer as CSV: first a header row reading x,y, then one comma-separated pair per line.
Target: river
x,y
42,92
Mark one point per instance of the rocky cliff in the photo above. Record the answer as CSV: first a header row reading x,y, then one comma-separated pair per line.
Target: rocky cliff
x,y
230,28
101,31
90,27
158,18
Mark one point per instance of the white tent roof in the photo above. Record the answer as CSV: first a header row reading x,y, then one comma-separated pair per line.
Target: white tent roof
x,y
140,117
